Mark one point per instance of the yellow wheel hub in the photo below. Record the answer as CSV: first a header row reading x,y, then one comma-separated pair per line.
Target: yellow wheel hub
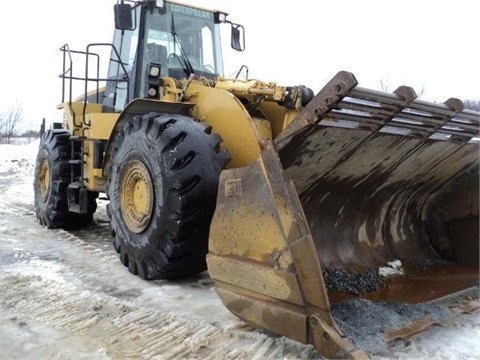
x,y
44,178
136,196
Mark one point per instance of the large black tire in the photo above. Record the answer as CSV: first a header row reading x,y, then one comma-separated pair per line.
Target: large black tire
x,y
51,178
162,189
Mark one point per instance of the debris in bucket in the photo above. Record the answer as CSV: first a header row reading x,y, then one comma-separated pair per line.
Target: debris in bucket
x,y
425,263
365,322
394,268
340,280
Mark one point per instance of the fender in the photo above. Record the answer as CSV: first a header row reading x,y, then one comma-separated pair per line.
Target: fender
x,y
139,107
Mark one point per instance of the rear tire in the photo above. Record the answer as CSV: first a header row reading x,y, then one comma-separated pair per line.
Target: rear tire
x,y
162,188
51,178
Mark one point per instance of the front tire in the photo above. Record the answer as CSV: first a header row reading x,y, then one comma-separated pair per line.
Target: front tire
x,y
162,188
51,178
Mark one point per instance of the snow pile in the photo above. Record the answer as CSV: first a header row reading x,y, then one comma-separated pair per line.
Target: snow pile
x,y
18,158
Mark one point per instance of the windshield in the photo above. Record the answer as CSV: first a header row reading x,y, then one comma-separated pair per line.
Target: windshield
x,y
179,37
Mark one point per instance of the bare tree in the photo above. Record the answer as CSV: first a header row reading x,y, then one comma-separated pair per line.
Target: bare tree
x,y
472,104
421,92
384,84
9,121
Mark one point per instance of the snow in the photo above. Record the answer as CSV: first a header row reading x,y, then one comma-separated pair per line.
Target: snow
x,y
393,268
18,159
65,295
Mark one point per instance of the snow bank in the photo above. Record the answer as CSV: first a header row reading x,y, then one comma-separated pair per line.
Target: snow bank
x,y
18,158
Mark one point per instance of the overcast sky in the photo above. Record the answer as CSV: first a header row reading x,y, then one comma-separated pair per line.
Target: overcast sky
x,y
429,45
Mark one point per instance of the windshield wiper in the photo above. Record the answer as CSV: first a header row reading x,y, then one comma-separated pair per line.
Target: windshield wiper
x,y
187,65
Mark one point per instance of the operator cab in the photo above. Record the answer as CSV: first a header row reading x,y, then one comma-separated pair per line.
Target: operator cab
x,y
165,39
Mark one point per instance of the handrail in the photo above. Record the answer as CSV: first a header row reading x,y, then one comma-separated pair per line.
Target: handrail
x,y
124,78
68,74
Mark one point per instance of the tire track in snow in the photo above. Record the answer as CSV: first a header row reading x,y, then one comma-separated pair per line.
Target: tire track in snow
x,y
74,282
126,330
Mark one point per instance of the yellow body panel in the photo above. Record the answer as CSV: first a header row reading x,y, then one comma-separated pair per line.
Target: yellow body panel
x,y
264,128
227,116
73,113
101,125
278,116
94,126
94,180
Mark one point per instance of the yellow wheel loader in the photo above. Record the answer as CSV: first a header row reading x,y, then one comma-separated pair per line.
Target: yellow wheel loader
x,y
294,202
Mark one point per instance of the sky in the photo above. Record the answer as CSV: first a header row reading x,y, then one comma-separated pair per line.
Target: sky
x,y
431,46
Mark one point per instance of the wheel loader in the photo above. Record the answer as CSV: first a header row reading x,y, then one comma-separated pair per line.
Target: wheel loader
x,y
293,201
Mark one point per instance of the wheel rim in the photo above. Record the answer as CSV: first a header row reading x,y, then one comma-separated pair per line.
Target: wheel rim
x,y
136,196
44,178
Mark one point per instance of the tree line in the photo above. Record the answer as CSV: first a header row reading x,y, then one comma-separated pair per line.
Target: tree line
x,y
10,120
472,104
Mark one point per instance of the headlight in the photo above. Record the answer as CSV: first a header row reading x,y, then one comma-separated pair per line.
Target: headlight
x,y
219,17
154,70
152,92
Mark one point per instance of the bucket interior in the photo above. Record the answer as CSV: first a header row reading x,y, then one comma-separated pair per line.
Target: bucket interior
x,y
373,198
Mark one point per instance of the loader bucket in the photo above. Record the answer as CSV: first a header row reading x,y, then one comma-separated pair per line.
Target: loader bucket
x,y
360,181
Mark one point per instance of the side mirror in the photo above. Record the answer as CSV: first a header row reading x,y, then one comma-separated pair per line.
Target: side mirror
x,y
123,16
238,37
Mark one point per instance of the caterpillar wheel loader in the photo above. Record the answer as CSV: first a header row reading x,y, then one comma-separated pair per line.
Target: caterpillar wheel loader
x,y
292,200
